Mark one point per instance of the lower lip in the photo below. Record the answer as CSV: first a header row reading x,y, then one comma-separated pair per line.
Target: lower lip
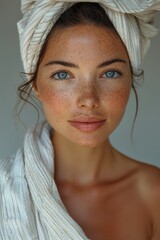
x,y
87,126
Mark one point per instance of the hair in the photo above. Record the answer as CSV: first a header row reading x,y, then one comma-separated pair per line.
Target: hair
x,y
79,13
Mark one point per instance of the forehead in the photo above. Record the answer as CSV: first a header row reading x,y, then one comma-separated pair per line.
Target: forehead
x,y
85,41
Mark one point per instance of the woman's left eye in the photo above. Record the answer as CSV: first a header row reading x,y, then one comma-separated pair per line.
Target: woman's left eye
x,y
111,74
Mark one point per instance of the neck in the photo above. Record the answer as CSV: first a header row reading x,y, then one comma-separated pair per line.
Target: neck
x,y
81,165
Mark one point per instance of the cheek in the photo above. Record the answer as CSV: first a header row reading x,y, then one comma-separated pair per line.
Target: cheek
x,y
53,101
117,100
121,97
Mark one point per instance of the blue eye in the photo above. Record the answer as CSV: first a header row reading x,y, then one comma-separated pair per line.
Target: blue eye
x,y
61,75
111,74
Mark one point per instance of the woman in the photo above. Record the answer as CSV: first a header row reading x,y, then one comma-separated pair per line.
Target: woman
x,y
68,182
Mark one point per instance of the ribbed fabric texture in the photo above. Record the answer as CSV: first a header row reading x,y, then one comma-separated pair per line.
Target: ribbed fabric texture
x,y
131,18
30,205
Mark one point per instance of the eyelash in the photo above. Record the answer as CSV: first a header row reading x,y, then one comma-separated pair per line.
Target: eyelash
x,y
59,72
115,71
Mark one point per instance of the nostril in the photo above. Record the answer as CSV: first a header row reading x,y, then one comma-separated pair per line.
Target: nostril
x,y
88,101
88,94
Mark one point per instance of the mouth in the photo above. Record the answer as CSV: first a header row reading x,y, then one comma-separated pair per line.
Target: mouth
x,y
87,124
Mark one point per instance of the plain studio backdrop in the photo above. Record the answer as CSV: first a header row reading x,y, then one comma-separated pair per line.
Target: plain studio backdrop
x,y
146,136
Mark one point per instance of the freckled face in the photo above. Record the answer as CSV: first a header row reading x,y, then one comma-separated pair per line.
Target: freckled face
x,y
84,83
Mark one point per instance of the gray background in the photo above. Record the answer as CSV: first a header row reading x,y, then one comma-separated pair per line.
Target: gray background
x,y
146,138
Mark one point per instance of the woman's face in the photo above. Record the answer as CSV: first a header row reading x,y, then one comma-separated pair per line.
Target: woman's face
x,y
84,83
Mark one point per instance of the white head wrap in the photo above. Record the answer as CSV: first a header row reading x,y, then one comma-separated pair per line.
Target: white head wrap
x,y
131,18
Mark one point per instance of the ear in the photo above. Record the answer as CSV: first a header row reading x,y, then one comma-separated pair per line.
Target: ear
x,y
36,91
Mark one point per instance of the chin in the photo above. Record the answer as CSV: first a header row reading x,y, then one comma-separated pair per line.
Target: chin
x,y
91,142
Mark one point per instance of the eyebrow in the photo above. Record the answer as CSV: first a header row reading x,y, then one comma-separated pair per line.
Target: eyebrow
x,y
63,63
69,64
111,61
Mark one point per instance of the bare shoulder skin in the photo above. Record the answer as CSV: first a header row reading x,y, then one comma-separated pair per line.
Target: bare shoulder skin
x,y
124,208
149,187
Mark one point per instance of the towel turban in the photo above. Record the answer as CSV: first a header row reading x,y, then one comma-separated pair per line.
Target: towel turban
x,y
132,19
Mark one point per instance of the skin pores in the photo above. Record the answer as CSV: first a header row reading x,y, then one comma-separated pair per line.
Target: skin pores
x,y
84,82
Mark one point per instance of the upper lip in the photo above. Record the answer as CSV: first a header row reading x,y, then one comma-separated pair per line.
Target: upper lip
x,y
87,119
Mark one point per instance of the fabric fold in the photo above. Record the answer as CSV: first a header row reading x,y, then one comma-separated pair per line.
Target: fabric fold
x,y
132,20
31,204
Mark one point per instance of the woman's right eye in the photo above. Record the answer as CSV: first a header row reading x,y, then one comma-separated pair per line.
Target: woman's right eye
x,y
61,75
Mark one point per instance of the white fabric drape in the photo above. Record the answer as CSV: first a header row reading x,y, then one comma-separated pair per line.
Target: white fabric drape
x,y
30,205
131,18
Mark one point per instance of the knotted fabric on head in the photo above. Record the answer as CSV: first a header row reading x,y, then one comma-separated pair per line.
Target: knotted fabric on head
x,y
132,20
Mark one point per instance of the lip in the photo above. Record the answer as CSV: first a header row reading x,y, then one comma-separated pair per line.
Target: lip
x,y
87,124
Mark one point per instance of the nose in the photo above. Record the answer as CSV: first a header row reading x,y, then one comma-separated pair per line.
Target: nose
x,y
88,96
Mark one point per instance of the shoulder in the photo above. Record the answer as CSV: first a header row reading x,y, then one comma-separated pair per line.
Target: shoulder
x,y
145,176
11,172
16,208
8,165
148,178
148,185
